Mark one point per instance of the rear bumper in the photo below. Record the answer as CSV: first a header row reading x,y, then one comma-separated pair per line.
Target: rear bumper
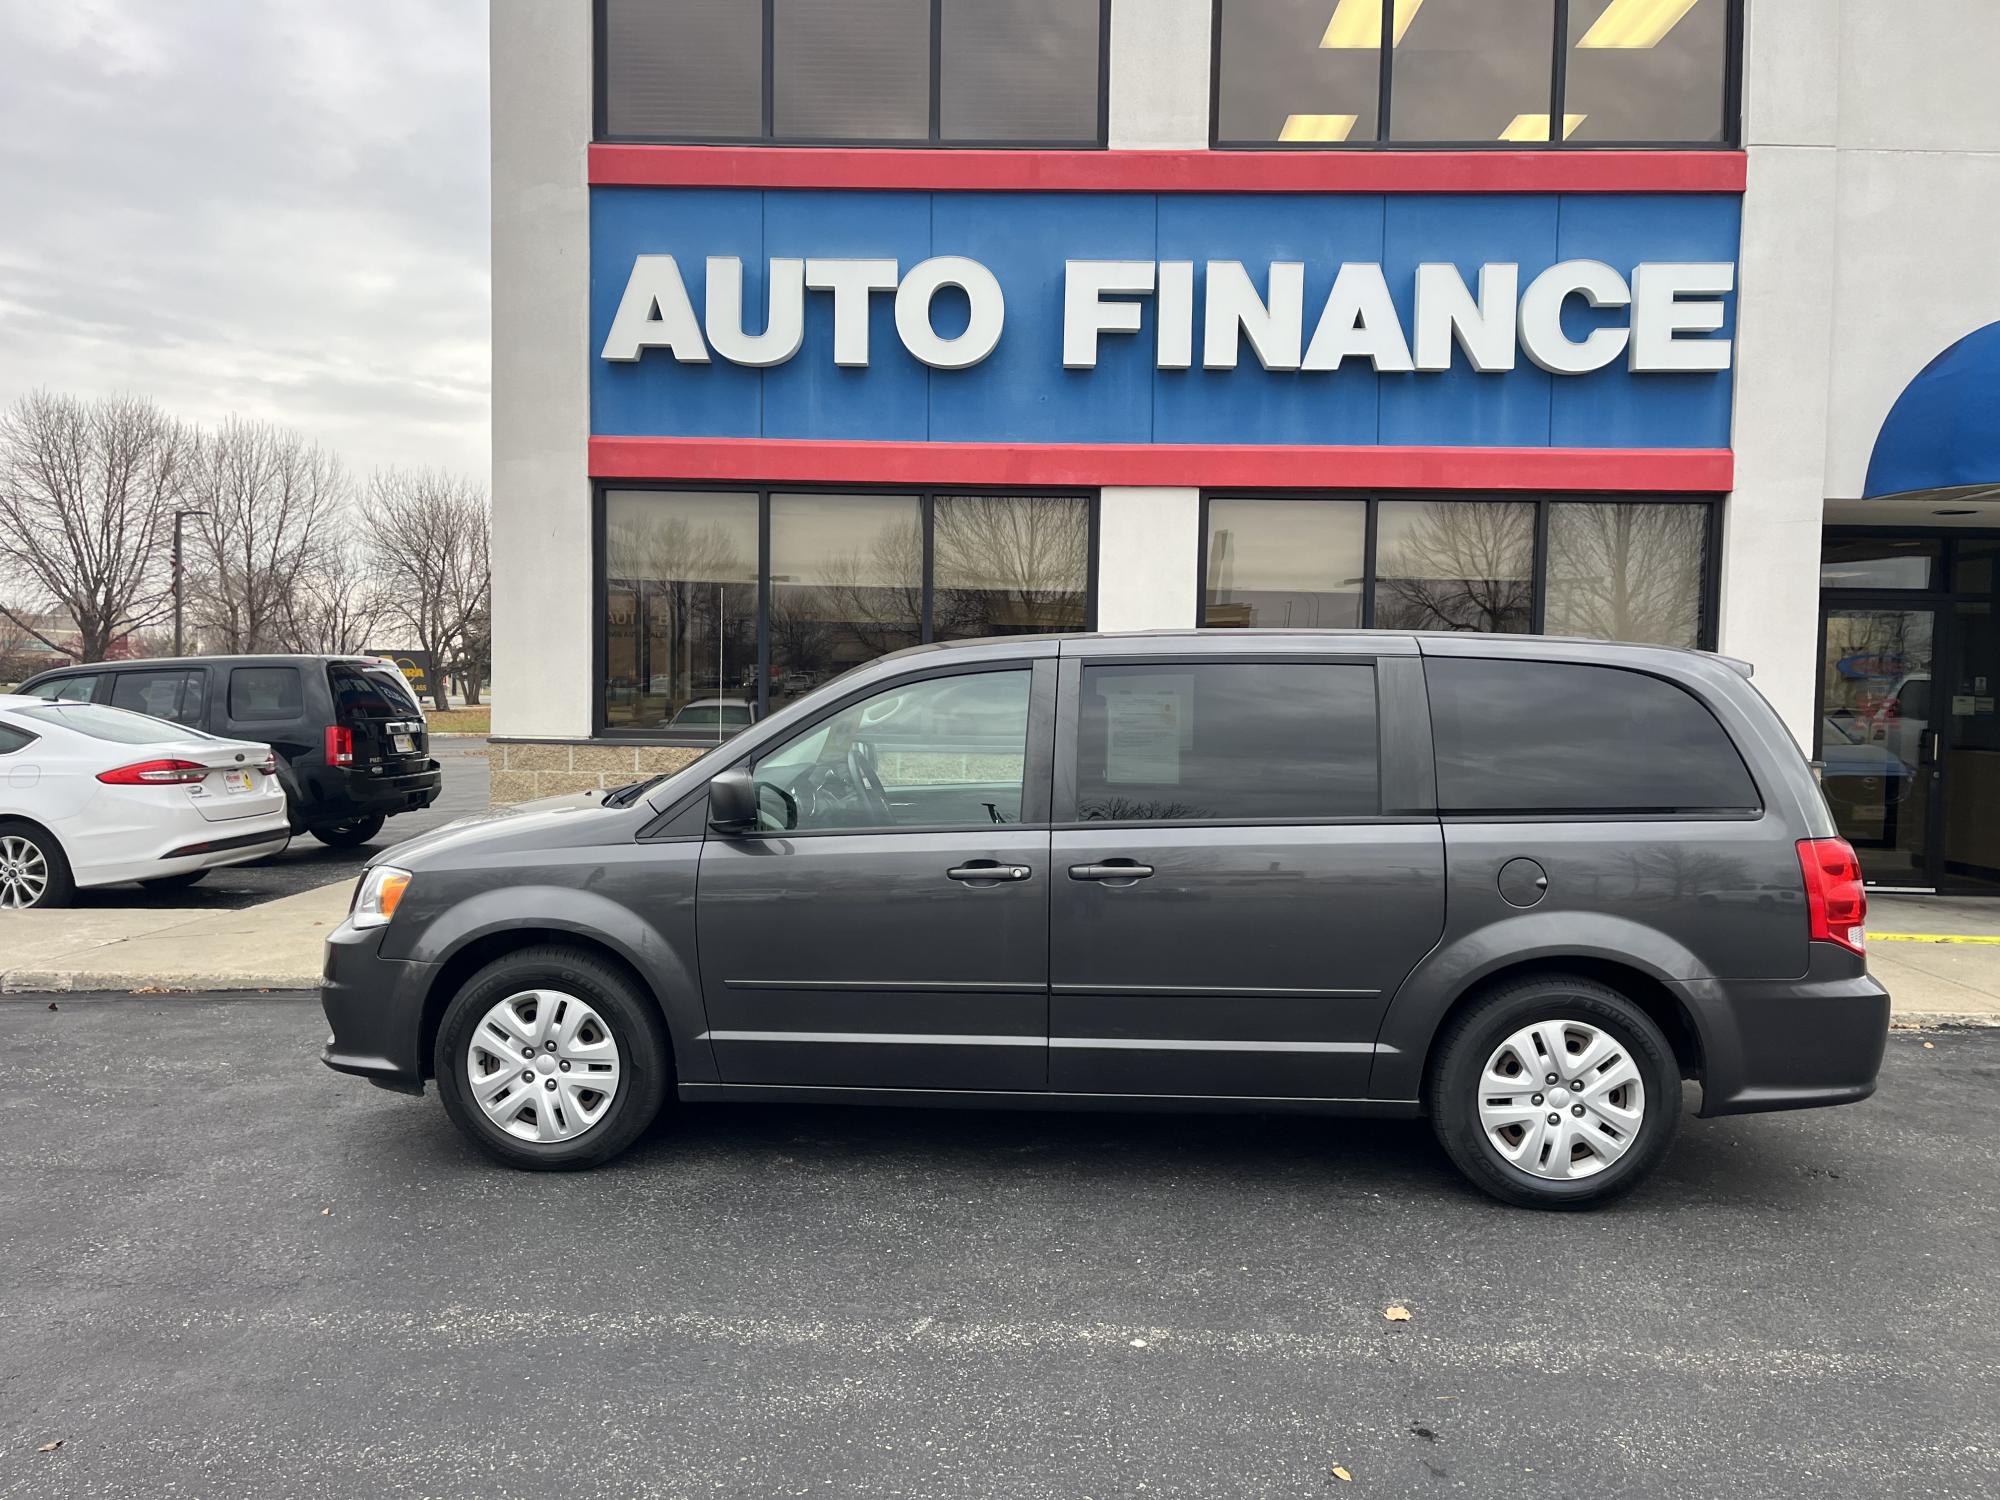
x,y
1790,1044
375,1009
360,794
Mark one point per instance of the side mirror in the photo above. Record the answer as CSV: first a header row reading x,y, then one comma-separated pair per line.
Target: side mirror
x,y
732,801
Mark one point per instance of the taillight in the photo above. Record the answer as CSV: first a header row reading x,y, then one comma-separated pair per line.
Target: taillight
x,y
155,773
1836,902
339,745
269,764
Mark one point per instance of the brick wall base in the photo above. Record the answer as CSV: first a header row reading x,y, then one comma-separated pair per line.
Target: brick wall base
x,y
527,770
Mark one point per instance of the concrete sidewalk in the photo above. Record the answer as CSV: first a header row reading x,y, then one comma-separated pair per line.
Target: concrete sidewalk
x,y
275,946
1939,956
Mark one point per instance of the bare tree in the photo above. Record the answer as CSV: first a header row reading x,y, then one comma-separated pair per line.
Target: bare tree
x,y
14,639
339,603
1462,565
431,554
1627,572
86,491
1009,563
272,502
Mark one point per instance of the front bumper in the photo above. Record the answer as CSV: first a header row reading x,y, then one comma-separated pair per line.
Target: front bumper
x,y
1791,1044
375,1007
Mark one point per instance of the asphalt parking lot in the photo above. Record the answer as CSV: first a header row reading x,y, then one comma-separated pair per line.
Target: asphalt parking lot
x,y
307,862
230,1272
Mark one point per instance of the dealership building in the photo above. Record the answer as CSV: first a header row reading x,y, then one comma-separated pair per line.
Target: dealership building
x,y
828,327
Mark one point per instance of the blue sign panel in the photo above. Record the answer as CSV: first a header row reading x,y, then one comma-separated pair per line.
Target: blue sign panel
x,y
1168,362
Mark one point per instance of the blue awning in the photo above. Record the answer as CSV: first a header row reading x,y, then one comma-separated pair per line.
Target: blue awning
x,y
1944,430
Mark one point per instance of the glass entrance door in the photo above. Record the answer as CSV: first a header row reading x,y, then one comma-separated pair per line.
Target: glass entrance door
x,y
1969,742
1878,745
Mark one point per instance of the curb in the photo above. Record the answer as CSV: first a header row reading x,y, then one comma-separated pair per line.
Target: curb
x,y
71,982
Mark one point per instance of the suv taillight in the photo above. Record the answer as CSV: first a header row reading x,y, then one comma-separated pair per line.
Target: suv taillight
x,y
339,745
155,773
1836,902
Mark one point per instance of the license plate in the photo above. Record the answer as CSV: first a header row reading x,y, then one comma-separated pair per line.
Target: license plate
x,y
236,781
404,744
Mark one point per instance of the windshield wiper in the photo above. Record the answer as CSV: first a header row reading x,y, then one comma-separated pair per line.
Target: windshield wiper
x,y
625,796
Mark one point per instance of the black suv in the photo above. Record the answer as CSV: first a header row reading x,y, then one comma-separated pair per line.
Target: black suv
x,y
353,749
1522,886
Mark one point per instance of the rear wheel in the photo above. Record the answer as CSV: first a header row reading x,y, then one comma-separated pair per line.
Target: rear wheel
x,y
33,871
175,882
1555,1092
549,1060
350,834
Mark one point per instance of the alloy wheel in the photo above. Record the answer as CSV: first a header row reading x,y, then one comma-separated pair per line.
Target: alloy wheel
x,y
1561,1099
24,873
543,1066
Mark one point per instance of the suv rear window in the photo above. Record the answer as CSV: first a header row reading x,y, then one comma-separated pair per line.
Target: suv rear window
x,y
370,693
1227,742
1518,736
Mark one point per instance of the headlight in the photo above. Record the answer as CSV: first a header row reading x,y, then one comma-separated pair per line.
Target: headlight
x,y
380,894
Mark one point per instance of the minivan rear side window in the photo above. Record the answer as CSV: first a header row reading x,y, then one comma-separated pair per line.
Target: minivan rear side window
x,y
265,694
1226,742
1565,737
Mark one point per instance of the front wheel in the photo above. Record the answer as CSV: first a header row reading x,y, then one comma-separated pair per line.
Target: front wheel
x,y
549,1060
351,834
1555,1092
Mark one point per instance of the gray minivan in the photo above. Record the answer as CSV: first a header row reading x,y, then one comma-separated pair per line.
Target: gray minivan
x,y
1522,886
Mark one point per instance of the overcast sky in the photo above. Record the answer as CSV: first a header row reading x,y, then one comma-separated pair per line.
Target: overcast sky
x,y
270,207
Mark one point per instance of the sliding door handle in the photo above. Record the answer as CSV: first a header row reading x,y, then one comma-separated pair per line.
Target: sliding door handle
x,y
987,871
1112,870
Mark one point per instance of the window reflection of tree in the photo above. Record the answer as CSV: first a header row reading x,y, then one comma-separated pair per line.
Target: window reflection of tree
x,y
1626,572
683,582
1464,565
1009,565
856,606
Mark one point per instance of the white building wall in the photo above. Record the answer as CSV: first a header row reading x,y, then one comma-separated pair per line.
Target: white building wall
x,y
1148,542
542,630
1873,133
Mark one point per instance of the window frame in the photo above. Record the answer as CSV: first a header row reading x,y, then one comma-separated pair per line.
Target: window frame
x,y
762,491
1732,98
1394,701
933,141
1711,576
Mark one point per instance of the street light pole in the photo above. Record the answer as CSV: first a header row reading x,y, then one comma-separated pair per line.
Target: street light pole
x,y
179,516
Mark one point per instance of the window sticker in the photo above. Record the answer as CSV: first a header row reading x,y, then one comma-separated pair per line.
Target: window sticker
x,y
1148,722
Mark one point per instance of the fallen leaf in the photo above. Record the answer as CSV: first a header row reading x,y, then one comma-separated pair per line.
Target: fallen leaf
x,y
1138,1343
51,1447
324,1212
1397,1314
1928,1046
52,1005
1425,1433
1342,1475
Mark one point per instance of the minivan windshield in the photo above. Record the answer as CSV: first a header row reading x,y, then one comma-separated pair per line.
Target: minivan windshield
x,y
114,724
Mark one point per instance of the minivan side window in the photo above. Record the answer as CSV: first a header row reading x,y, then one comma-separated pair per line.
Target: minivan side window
x,y
944,752
78,689
1531,737
1227,742
265,694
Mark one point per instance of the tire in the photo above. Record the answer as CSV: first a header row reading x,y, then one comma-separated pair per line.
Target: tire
x,y
351,834
175,882
593,1130
1527,1173
34,871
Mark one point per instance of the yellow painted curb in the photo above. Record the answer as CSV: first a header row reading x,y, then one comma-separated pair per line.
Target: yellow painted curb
x,y
1931,937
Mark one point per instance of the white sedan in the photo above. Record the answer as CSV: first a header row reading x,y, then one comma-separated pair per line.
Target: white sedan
x,y
91,795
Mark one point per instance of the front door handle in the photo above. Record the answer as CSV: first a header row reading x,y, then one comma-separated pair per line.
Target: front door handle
x,y
985,871
1115,870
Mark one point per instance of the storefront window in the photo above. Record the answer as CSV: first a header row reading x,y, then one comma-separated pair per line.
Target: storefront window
x,y
898,72
1455,565
1646,70
1471,72
1283,563
680,601
1625,572
847,585
701,638
1009,565
1867,562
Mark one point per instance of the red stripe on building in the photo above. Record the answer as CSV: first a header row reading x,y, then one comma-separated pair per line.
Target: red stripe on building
x,y
1170,171
1251,466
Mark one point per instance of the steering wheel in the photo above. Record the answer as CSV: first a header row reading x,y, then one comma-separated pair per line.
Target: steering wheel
x,y
867,779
